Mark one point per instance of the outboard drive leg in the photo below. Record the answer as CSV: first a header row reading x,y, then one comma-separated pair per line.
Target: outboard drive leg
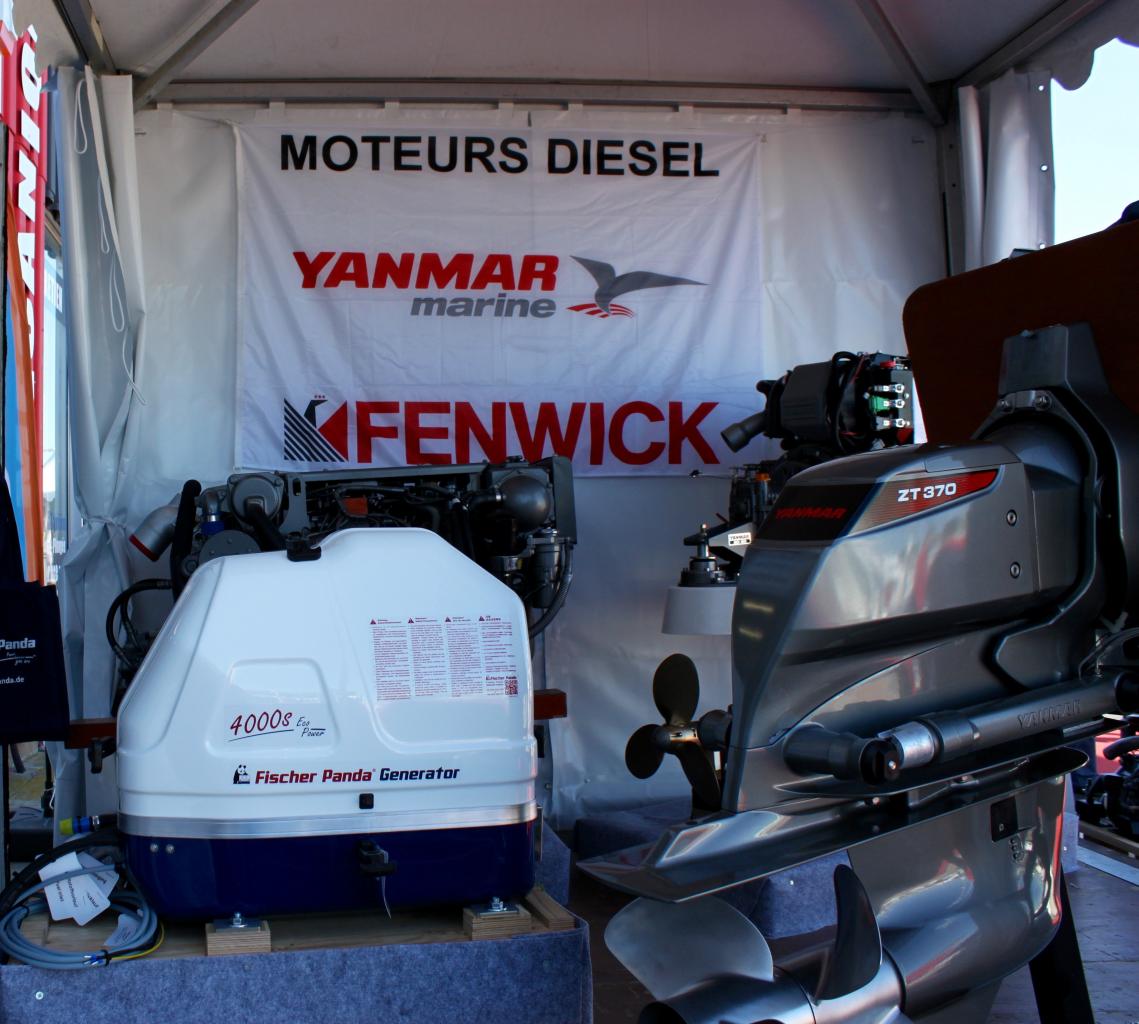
x,y
1058,974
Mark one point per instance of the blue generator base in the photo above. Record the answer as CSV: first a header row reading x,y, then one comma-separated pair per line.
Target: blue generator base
x,y
187,879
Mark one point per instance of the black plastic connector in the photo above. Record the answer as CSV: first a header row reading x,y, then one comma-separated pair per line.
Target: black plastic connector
x,y
374,860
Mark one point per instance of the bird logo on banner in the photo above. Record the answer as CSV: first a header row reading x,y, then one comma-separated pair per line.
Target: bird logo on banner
x,y
610,285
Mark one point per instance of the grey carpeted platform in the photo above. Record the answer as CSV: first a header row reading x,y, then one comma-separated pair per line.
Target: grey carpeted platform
x,y
543,978
553,868
530,979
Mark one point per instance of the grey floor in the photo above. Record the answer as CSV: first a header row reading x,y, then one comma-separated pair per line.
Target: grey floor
x,y
1107,917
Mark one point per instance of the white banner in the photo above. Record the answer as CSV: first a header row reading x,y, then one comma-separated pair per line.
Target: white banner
x,y
434,295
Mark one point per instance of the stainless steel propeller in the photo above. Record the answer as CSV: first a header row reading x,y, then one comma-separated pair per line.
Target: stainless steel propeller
x,y
705,963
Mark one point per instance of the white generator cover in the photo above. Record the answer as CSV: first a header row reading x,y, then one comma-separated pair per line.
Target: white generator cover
x,y
283,698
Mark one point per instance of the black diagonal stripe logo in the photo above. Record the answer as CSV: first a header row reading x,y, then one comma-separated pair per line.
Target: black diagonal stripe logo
x,y
303,442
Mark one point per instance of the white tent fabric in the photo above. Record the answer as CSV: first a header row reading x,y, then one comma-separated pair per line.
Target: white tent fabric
x,y
1069,58
106,315
1007,167
850,226
851,223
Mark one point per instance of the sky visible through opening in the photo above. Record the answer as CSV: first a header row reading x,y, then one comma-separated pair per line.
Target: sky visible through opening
x,y
1095,143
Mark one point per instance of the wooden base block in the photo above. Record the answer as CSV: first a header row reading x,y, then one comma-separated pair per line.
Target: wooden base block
x,y
226,941
548,911
478,923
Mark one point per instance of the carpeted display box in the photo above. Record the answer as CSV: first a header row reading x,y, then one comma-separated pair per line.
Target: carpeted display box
x,y
542,977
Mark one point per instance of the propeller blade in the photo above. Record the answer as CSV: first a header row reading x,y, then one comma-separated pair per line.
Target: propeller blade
x,y
857,954
642,755
676,689
670,947
701,774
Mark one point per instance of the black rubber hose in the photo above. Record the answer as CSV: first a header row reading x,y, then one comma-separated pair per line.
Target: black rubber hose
x,y
120,602
1126,745
183,540
268,536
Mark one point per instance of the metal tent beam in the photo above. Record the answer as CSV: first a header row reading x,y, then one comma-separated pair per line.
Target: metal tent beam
x,y
151,86
892,43
1021,47
84,29
491,91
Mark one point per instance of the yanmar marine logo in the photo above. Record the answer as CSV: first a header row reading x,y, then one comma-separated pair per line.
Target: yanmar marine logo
x,y
500,285
610,284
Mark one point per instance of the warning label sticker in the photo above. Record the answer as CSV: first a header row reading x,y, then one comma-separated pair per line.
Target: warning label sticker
x,y
424,658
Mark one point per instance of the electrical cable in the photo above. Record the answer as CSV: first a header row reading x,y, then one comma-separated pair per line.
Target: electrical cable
x,y
23,896
141,926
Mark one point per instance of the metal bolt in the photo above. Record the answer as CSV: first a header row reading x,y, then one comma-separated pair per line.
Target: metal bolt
x,y
169,847
39,995
1042,401
1010,517
892,765
153,847
1014,570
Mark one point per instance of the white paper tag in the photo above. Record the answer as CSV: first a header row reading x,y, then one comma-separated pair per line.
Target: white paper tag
x,y
80,897
125,927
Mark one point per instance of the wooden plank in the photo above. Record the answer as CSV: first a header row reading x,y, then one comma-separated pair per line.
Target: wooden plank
x,y
541,913
35,927
82,732
330,931
548,911
549,704
228,941
1107,837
